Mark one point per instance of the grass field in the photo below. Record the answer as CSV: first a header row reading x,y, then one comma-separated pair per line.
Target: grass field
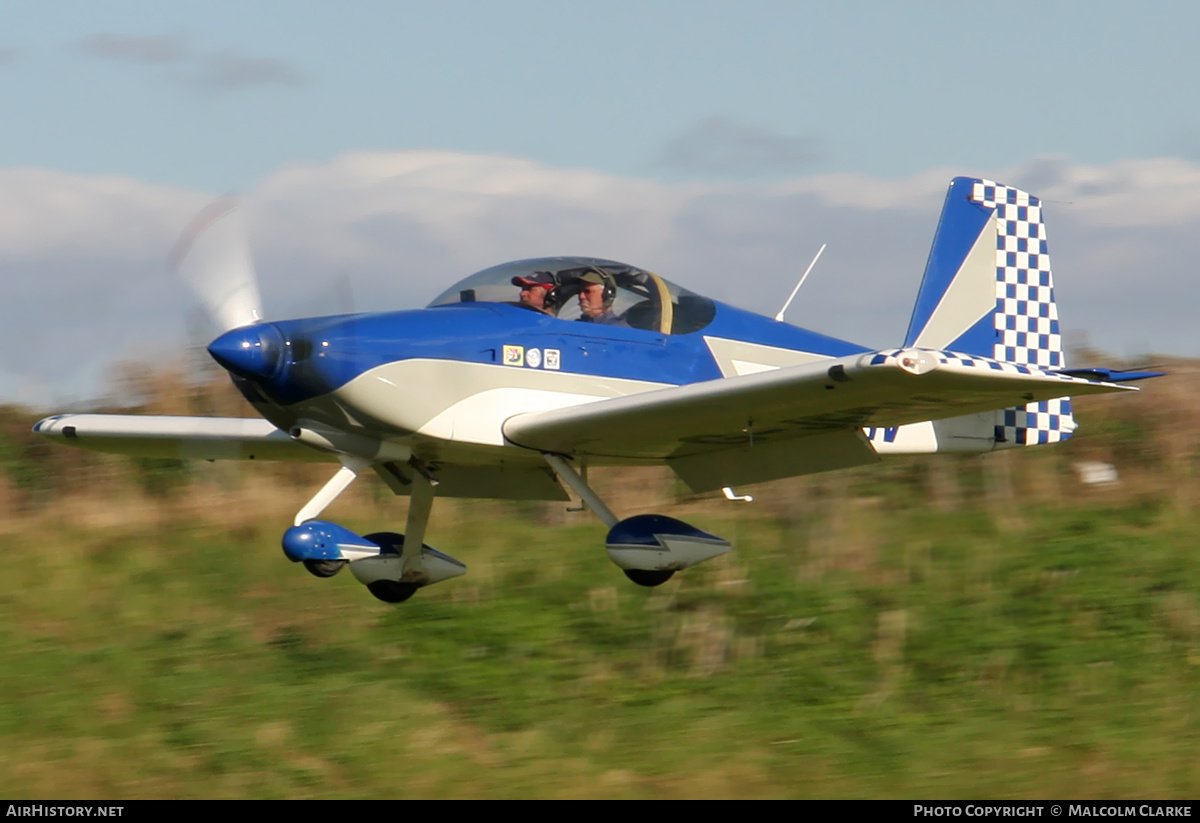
x,y
954,628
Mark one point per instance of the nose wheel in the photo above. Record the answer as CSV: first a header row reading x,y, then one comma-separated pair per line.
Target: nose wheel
x,y
324,568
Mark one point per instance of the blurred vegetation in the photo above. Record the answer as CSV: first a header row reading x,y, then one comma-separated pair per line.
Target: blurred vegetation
x,y
931,627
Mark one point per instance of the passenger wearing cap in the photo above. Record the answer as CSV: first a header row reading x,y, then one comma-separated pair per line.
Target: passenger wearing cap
x,y
535,288
595,300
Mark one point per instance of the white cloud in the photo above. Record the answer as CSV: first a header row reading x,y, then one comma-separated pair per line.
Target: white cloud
x,y
83,258
47,214
1155,192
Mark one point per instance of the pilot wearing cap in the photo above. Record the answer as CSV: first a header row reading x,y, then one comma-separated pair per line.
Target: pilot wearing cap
x,y
535,289
596,298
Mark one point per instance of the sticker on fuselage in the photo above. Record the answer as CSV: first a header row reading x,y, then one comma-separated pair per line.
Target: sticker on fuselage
x,y
514,355
551,358
533,357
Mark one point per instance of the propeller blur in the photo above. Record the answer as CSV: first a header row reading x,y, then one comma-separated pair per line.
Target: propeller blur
x,y
213,258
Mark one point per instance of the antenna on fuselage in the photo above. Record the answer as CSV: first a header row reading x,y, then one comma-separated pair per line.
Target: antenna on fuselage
x,y
803,277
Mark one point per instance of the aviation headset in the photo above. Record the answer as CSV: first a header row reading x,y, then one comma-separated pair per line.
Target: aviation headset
x,y
606,279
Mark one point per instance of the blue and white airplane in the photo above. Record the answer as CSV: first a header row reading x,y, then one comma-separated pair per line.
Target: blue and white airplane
x,y
516,379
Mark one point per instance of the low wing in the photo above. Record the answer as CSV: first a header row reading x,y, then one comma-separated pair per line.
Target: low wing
x,y
791,420
191,438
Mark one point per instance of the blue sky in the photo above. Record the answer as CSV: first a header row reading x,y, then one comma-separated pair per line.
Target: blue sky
x,y
216,95
395,147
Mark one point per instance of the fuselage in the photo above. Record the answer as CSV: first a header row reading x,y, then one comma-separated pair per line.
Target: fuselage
x,y
454,373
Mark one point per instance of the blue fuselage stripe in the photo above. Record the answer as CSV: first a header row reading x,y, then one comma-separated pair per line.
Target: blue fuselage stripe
x,y
326,353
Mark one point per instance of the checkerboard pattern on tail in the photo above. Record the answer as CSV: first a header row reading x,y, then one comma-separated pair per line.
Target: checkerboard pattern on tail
x,y
1026,317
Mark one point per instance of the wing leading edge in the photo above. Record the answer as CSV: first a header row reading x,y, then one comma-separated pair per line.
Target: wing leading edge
x,y
791,420
188,438
237,438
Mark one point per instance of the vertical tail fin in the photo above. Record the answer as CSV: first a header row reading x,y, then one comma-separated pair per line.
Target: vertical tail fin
x,y
988,291
987,288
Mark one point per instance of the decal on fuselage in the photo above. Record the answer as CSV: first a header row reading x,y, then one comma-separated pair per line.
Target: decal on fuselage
x,y
514,355
533,357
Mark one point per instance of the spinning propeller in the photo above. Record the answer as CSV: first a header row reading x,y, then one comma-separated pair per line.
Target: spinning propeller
x,y
213,258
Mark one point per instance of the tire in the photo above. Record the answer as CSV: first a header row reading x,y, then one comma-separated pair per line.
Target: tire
x,y
324,568
649,577
392,591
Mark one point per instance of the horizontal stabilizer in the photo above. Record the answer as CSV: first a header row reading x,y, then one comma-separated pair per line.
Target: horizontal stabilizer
x,y
1112,375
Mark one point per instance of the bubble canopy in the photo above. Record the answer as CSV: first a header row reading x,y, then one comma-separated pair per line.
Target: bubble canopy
x,y
637,298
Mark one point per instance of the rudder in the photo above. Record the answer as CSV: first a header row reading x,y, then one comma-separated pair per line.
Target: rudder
x,y
988,291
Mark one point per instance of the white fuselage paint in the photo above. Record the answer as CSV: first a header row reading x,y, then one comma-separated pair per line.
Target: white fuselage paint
x,y
467,403
479,417
737,357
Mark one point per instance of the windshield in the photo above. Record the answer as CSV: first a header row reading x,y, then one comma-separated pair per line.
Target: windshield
x,y
575,288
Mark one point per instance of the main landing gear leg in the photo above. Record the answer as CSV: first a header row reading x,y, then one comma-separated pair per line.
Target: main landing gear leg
x,y
572,478
649,548
405,563
420,504
408,572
